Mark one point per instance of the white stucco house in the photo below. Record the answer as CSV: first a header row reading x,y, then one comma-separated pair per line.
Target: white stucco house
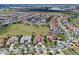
x,y
26,39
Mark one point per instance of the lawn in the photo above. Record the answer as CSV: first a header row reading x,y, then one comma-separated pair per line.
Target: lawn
x,y
50,44
74,19
22,29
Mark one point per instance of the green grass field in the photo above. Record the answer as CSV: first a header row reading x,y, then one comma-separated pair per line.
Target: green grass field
x,y
74,19
21,29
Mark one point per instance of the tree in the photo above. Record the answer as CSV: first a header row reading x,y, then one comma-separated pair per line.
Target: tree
x,y
45,39
19,37
69,20
33,37
55,42
50,53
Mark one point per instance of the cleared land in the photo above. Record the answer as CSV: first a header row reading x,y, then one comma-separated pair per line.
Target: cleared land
x,y
70,51
22,29
65,52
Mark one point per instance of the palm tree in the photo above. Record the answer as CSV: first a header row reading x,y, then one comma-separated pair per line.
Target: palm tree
x,y
33,37
45,39
55,43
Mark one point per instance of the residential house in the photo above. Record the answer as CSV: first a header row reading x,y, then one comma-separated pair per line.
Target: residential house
x,y
39,38
2,42
12,40
52,37
77,32
65,22
26,39
6,22
76,46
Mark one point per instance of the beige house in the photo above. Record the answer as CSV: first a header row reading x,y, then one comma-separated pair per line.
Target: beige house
x,y
2,42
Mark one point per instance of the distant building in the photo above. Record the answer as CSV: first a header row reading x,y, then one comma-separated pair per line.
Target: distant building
x,y
6,22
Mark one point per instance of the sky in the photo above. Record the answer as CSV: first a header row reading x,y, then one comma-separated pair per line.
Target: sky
x,y
39,1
